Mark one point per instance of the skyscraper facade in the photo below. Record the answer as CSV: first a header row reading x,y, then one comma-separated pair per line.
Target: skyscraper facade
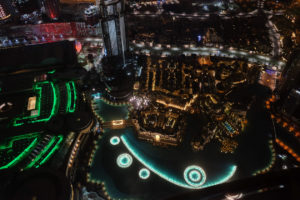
x,y
113,27
289,88
6,10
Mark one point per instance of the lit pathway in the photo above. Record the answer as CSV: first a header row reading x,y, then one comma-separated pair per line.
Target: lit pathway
x,y
204,16
274,37
207,51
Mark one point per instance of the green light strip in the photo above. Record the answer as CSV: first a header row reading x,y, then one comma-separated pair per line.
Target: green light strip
x,y
69,97
75,97
53,107
46,148
71,86
15,138
38,89
52,151
171,179
21,156
52,72
39,102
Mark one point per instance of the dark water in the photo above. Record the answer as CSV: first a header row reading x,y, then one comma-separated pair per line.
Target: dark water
x,y
252,154
111,112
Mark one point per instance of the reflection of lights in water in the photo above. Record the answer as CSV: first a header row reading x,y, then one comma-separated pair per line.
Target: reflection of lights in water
x,y
115,140
144,173
124,160
194,176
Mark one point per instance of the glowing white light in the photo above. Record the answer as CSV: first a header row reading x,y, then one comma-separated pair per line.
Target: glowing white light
x,y
233,196
194,176
115,140
139,102
124,160
144,173
170,178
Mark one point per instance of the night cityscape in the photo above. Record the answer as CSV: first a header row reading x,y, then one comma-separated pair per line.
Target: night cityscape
x,y
154,100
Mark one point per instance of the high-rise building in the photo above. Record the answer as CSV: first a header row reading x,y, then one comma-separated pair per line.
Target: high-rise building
x,y
290,77
289,88
51,8
291,105
6,10
113,27
91,15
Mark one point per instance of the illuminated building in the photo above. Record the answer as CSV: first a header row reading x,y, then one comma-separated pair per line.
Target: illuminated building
x,y
117,70
289,88
113,27
51,8
91,15
160,127
167,134
6,10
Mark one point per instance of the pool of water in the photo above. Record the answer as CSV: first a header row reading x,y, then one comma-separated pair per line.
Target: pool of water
x,y
109,112
171,167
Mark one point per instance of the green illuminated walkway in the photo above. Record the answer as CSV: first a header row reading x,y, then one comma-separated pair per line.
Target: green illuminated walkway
x,y
7,149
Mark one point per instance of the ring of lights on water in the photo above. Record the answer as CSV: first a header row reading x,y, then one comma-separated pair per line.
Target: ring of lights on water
x,y
194,176
115,140
144,173
124,160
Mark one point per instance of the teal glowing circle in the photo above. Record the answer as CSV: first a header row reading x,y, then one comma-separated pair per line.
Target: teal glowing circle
x,y
115,140
124,160
194,176
144,173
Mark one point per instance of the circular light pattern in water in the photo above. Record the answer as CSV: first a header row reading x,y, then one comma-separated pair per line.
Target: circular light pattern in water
x,y
144,173
124,160
194,176
115,140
